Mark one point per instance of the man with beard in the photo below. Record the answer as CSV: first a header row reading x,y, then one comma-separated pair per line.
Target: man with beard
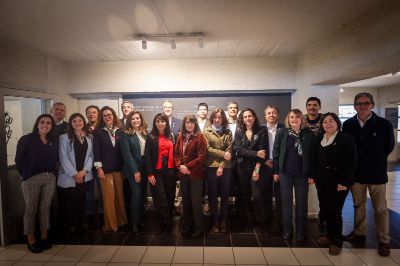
x,y
313,122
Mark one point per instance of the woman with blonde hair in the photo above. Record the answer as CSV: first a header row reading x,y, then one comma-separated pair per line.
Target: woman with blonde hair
x,y
293,157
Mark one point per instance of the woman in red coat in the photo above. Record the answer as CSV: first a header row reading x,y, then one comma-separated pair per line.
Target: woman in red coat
x,y
191,149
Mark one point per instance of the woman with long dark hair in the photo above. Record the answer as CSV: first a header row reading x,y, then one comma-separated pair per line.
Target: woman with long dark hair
x,y
294,168
108,162
251,148
76,162
336,163
133,142
218,164
36,160
190,155
160,169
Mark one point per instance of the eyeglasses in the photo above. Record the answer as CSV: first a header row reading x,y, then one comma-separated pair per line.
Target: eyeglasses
x,y
167,107
107,115
365,104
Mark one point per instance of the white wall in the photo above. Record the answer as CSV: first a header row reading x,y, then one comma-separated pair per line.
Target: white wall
x,y
265,73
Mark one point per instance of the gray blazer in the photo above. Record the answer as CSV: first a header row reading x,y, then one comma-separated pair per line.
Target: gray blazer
x,y
67,162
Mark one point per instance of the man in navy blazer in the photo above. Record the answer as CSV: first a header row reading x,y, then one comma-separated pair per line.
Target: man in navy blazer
x,y
271,114
174,123
126,108
374,138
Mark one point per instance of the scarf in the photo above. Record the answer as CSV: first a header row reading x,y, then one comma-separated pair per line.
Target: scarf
x,y
217,128
297,138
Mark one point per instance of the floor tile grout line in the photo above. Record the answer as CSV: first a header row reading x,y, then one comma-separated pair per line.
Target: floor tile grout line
x,y
354,252
294,254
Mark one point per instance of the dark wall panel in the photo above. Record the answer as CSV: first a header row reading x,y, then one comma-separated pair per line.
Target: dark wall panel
x,y
150,104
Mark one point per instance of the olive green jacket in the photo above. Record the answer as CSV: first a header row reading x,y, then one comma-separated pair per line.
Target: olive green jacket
x,y
217,145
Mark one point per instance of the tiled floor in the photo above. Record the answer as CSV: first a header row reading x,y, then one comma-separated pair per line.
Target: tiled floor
x,y
235,248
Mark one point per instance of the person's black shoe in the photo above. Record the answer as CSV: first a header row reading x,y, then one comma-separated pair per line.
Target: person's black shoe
x,y
185,232
287,236
384,249
354,238
135,230
300,237
35,247
197,234
45,243
142,225
322,224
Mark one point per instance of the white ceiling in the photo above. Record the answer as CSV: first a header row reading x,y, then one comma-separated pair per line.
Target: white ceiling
x,y
99,30
387,80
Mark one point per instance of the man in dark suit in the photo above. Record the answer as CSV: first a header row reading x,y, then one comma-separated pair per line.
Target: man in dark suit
x,y
126,108
174,123
58,112
271,114
375,141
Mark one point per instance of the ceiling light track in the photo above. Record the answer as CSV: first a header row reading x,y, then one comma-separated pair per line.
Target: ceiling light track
x,y
171,37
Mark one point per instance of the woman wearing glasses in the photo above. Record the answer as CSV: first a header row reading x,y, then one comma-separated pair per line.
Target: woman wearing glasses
x,y
36,160
108,162
294,168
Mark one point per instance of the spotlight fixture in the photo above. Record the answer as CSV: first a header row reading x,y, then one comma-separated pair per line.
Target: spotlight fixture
x,y
200,42
171,37
173,44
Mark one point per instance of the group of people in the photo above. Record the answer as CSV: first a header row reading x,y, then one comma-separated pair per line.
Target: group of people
x,y
207,156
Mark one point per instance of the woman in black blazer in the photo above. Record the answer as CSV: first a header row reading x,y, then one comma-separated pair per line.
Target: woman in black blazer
x,y
294,150
336,162
251,148
160,169
108,162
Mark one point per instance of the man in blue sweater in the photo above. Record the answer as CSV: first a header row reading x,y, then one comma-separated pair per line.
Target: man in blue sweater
x,y
375,141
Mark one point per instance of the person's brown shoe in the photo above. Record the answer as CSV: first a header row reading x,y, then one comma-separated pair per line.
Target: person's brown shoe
x,y
323,241
354,238
334,250
384,249
215,228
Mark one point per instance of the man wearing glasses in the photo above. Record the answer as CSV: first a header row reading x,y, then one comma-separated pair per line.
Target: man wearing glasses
x,y
174,123
375,141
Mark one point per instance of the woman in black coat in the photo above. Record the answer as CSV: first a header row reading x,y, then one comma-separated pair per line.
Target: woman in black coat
x,y
294,150
336,162
251,149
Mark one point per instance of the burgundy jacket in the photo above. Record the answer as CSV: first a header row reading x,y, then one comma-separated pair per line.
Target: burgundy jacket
x,y
194,157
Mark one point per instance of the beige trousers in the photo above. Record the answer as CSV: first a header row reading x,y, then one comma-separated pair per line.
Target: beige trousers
x,y
113,201
381,212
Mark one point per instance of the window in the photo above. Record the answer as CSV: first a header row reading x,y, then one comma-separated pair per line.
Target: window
x,y
346,111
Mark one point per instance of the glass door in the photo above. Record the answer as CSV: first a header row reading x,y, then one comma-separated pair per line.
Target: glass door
x,y
20,114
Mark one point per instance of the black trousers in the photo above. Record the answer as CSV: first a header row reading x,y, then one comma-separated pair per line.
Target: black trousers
x,y
72,205
333,204
163,193
218,186
261,191
262,196
192,190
